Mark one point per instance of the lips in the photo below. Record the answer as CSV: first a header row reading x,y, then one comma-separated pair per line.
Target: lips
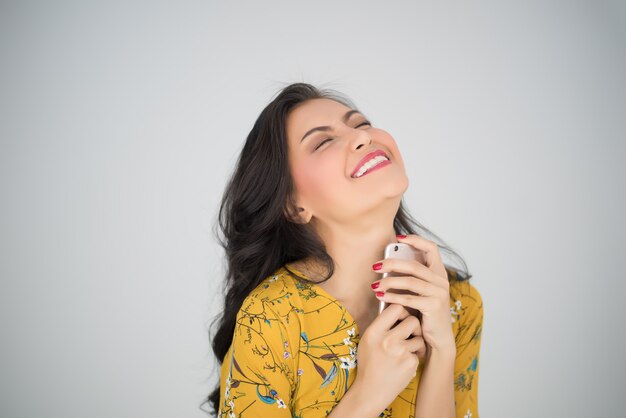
x,y
367,158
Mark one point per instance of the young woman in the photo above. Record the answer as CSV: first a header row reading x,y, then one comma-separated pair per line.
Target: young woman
x,y
315,197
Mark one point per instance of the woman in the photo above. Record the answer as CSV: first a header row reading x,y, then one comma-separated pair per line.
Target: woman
x,y
306,217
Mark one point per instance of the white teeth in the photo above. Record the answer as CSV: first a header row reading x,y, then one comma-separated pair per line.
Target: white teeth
x,y
371,163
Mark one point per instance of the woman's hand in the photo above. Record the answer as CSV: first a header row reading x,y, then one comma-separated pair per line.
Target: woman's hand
x,y
430,283
387,358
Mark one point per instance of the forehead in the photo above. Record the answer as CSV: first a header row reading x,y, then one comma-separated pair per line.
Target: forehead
x,y
312,113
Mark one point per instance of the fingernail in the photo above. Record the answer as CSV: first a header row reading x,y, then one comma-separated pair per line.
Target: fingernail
x,y
375,285
401,236
380,294
377,266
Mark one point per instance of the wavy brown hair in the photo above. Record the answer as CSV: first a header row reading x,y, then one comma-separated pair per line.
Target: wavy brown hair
x,y
258,238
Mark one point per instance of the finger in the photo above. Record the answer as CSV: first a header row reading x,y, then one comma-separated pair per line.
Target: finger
x,y
429,247
403,314
388,317
407,327
408,267
420,303
416,345
411,283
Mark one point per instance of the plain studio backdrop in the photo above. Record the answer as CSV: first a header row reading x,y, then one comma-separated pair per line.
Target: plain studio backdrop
x,y
121,122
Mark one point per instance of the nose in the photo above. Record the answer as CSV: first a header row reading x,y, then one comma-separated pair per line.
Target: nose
x,y
360,138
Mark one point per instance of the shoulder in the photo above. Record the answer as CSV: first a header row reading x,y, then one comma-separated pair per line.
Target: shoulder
x,y
273,301
266,333
274,290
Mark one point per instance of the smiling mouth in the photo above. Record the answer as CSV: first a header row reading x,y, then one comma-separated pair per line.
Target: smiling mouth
x,y
382,162
369,161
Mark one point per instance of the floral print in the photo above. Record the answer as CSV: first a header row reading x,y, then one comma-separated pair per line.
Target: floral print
x,y
349,362
294,347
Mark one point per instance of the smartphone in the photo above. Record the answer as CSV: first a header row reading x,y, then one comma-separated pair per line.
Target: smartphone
x,y
406,252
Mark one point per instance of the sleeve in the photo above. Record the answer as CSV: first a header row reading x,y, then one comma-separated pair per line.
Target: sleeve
x,y
257,371
468,313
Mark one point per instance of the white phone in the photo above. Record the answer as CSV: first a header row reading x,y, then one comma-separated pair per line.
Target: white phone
x,y
407,252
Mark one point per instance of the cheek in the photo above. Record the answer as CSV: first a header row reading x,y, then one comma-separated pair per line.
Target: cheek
x,y
320,178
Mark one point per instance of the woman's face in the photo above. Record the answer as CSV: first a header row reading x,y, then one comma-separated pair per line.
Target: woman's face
x,y
322,163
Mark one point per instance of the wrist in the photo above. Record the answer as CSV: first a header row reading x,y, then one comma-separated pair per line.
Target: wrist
x,y
442,353
448,347
362,403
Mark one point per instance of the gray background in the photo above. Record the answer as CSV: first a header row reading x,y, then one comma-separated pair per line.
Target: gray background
x,y
120,122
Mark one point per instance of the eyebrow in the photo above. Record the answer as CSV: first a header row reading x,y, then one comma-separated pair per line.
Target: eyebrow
x,y
328,128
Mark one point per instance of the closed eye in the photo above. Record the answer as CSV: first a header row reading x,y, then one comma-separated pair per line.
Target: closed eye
x,y
329,139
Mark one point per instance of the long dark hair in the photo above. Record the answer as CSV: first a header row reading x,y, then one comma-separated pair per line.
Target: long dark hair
x,y
258,236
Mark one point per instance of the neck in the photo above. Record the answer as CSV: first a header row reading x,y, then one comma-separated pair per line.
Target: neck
x,y
354,248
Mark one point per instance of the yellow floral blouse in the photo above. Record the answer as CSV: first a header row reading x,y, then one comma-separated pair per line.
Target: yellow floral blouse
x,y
293,352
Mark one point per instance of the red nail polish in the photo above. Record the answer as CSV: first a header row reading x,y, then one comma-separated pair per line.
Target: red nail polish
x,y
375,285
401,236
379,294
377,266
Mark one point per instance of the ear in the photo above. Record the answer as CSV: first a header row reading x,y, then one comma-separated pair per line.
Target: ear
x,y
302,216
